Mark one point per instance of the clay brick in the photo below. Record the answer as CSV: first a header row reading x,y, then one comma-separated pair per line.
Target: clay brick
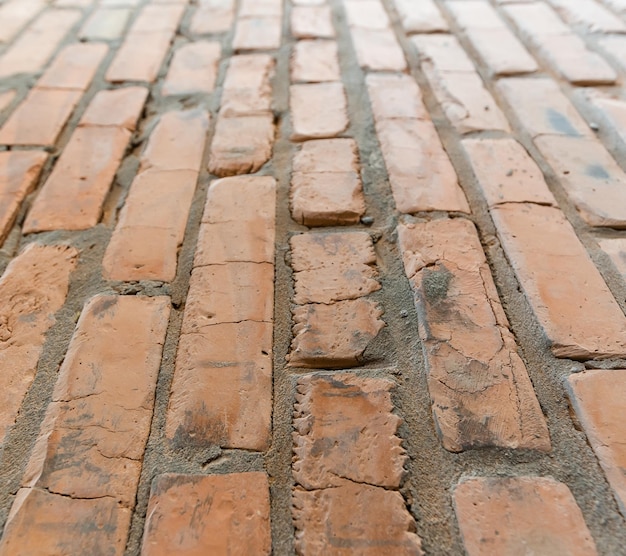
x,y
541,108
516,515
19,171
15,14
32,289
345,429
105,24
32,50
84,174
140,57
552,273
116,107
378,50
74,67
247,90
589,15
506,173
327,155
214,514
590,176
241,144
257,33
213,16
318,110
40,118
333,267
308,22
598,399
315,61
333,336
253,8
613,111
193,69
366,14
421,17
158,18
462,95
478,384
395,96
360,518
615,248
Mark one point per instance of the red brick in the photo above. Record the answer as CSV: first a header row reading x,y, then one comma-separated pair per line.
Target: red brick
x,y
541,108
213,16
478,384
589,15
422,17
318,110
378,50
19,171
247,90
74,67
116,107
552,274
312,22
32,289
315,61
105,24
520,515
32,50
214,514
598,399
345,429
83,173
615,248
15,14
193,69
257,33
327,155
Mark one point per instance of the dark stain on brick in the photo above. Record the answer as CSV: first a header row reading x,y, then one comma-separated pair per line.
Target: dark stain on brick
x,y
560,123
435,284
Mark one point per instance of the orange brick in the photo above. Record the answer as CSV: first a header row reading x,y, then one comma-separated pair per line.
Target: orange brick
x,y
213,16
318,110
15,14
552,274
327,156
32,50
589,15
193,69
310,22
257,33
247,90
598,399
32,289
395,96
116,107
19,171
315,61
615,248
214,514
478,384
158,18
105,24
378,50
516,515
422,17
74,67
140,57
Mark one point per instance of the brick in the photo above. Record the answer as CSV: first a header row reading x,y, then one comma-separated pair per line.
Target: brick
x,y
257,33
74,67
252,8
318,110
612,110
309,22
247,90
553,273
140,57
83,173
19,172
378,50
15,14
326,518
367,14
395,96
615,47
598,399
158,18
6,98
422,17
333,267
116,108
462,95
315,61
506,173
35,46
590,176
241,145
478,384
327,155
40,118
214,514
213,16
345,429
193,69
333,336
615,248
589,15
105,24
32,289
541,108
516,515
562,49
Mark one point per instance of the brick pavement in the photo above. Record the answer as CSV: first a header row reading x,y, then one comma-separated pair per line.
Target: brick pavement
x,y
313,277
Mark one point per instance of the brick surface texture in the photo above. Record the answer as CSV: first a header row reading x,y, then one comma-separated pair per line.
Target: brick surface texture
x,y
314,277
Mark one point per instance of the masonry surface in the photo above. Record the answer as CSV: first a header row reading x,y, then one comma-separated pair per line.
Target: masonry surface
x,y
318,277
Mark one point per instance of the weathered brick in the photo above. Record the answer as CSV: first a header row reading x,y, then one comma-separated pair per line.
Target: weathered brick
x,y
598,399
116,108
193,69
589,15
378,50
478,384
318,110
308,22
352,419
32,50
541,108
158,18
213,16
461,93
367,14
32,289
516,515
552,274
247,90
257,33
74,67
612,110
315,61
421,17
105,24
615,47
15,14
615,248
395,96
19,171
253,8
327,155
214,514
